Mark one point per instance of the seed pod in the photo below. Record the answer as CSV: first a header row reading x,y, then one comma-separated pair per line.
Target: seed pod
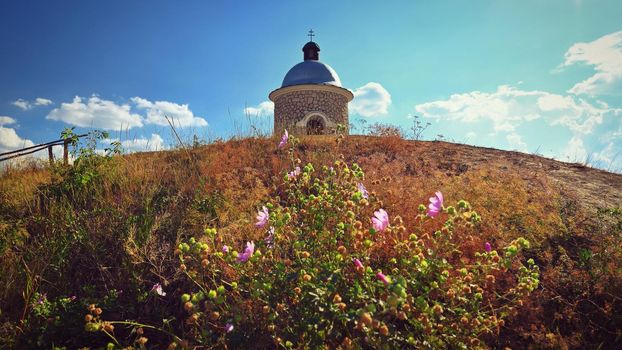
x,y
366,319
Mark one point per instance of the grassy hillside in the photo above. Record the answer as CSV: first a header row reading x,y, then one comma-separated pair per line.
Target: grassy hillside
x,y
109,229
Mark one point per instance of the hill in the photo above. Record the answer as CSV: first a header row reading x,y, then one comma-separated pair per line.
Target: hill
x,y
113,224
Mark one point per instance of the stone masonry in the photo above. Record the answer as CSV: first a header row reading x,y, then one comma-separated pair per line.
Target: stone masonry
x,y
291,108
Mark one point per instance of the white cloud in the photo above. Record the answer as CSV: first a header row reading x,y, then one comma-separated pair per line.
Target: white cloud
x,y
40,101
575,150
9,139
605,54
27,105
143,144
97,113
180,114
471,136
23,104
6,120
371,100
265,108
508,107
516,142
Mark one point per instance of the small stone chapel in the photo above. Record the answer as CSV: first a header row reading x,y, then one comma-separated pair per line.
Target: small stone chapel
x,y
311,100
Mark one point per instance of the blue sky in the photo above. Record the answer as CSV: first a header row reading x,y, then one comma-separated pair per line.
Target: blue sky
x,y
535,76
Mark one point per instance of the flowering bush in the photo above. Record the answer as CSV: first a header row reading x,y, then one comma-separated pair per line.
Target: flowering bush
x,y
334,270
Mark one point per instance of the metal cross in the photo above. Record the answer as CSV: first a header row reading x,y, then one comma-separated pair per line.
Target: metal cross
x,y
311,35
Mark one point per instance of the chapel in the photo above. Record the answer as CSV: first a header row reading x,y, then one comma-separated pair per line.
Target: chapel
x,y
311,100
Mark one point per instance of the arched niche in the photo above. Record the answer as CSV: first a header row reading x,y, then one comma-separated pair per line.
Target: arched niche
x,y
316,123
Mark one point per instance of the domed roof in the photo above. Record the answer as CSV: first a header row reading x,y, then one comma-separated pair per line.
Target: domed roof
x,y
311,72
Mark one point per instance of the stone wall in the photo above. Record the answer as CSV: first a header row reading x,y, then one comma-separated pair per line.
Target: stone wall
x,y
292,107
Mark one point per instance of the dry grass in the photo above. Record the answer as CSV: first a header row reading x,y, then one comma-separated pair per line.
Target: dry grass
x,y
516,195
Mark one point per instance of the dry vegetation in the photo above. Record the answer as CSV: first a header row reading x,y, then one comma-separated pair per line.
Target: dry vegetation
x,y
118,231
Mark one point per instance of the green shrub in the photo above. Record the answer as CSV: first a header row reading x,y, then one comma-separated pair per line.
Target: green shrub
x,y
325,275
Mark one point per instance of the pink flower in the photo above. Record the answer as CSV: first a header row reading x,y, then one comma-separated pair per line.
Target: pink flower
x,y
383,278
225,249
362,190
262,217
248,252
42,298
284,139
157,288
436,204
357,263
488,247
381,220
293,174
228,327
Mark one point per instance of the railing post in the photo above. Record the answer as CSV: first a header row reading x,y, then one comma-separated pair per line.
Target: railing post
x,y
51,155
66,152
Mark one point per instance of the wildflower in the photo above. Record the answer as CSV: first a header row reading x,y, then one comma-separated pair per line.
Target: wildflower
x,y
228,327
383,278
225,249
284,139
292,175
488,247
269,241
357,263
42,298
381,220
262,217
157,288
436,204
362,190
248,252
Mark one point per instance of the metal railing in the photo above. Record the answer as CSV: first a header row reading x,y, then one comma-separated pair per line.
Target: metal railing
x,y
32,149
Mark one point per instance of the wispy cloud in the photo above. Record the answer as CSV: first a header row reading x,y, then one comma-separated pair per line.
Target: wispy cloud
x,y
371,100
4,120
605,55
265,108
509,107
575,150
516,142
27,105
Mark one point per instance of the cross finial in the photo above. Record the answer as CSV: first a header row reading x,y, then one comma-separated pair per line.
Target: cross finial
x,y
311,35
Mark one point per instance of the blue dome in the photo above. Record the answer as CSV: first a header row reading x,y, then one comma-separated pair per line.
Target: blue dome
x,y
311,72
